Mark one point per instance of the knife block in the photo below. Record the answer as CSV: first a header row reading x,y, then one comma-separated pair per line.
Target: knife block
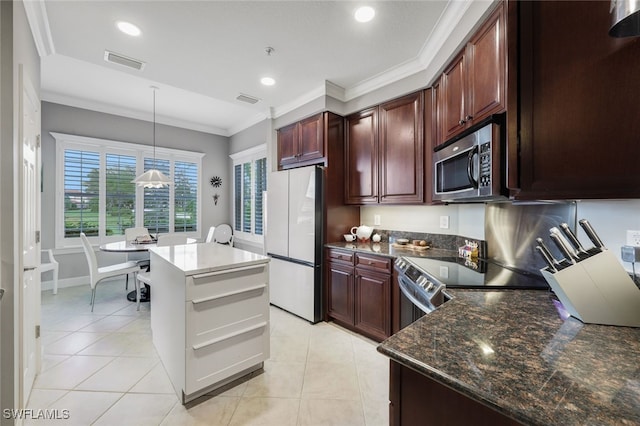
x,y
597,291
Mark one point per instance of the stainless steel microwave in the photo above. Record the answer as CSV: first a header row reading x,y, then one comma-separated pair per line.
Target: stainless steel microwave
x,y
469,168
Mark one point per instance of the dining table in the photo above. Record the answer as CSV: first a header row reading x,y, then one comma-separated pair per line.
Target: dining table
x,y
135,247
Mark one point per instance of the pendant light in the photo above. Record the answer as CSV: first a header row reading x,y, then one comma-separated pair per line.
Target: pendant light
x,y
153,178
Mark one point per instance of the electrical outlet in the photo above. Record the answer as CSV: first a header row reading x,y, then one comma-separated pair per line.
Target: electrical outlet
x,y
444,222
633,238
376,219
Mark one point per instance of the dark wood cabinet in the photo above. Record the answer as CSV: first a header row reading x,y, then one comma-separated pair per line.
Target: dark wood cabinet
x,y
473,86
361,156
384,153
578,103
417,400
359,292
302,143
401,162
431,137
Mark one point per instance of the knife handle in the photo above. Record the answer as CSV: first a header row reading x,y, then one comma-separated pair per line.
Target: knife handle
x,y
550,263
591,233
573,240
546,251
557,239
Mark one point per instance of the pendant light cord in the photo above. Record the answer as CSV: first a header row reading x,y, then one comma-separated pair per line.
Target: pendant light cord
x,y
154,129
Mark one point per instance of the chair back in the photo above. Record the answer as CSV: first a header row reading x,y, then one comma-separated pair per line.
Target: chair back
x,y
47,261
91,259
130,234
171,240
210,234
223,234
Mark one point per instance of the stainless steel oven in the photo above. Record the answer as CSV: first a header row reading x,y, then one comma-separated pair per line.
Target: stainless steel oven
x,y
470,168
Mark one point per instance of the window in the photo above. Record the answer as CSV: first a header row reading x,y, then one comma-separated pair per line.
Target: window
x,y
99,199
249,182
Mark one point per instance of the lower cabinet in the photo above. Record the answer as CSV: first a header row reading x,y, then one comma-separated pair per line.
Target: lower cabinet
x,y
416,399
359,292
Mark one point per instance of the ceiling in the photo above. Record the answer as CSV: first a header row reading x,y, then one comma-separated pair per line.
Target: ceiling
x,y
203,54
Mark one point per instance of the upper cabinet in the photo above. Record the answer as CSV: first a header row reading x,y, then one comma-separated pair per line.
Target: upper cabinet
x,y
384,153
473,86
302,143
578,103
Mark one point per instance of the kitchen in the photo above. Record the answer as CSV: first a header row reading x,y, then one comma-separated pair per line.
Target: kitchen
x,y
610,218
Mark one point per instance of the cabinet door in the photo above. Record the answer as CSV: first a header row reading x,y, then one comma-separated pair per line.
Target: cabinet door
x,y
430,137
579,104
340,292
311,145
452,98
401,150
288,145
486,69
361,152
373,303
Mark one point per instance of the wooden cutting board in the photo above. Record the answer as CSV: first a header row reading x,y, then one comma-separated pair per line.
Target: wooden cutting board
x,y
409,247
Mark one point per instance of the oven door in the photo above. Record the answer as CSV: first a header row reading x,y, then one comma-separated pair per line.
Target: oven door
x,y
409,305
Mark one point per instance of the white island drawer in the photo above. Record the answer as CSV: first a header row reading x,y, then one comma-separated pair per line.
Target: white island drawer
x,y
209,320
212,285
216,360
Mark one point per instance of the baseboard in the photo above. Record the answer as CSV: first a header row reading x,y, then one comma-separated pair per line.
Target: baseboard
x,y
74,282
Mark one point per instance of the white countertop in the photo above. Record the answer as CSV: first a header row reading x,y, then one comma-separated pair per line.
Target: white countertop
x,y
207,257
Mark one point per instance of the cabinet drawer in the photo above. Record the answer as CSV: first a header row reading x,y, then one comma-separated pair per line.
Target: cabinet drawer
x,y
212,362
377,263
208,320
340,256
226,283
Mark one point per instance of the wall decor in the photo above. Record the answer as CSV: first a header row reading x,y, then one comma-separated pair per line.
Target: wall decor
x,y
215,199
216,181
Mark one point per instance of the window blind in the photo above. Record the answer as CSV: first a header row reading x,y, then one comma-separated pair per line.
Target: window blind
x,y
186,196
260,187
156,200
246,197
120,195
81,188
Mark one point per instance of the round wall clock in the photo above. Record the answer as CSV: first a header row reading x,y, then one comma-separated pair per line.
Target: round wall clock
x,y
216,181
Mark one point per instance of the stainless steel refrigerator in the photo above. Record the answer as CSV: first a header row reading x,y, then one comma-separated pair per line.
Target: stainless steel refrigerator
x,y
294,240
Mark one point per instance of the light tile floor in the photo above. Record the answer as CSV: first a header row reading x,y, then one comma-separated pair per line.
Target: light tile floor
x,y
104,369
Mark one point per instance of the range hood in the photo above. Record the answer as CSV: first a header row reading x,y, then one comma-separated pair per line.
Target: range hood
x,y
625,15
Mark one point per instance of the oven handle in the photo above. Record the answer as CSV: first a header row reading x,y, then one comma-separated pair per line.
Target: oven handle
x,y
473,181
403,284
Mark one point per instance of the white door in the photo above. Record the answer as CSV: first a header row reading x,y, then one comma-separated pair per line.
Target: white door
x,y
29,192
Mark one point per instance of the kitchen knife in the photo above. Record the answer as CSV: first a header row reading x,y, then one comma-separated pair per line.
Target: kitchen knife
x,y
545,256
591,233
562,246
582,253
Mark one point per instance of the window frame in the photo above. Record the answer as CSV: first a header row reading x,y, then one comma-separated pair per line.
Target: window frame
x,y
249,155
140,152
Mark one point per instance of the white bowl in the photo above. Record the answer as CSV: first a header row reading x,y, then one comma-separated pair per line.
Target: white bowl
x,y
402,241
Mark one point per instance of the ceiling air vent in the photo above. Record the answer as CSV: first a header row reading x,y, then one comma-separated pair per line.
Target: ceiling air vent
x,y
246,98
125,61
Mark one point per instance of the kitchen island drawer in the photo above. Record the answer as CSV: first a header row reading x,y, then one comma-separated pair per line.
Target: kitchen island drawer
x,y
345,257
208,320
379,263
211,362
219,284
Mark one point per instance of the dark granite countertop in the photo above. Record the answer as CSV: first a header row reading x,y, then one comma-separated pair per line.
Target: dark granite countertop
x,y
386,249
512,351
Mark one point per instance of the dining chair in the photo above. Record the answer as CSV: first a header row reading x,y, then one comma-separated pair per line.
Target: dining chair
x,y
163,241
49,263
142,259
210,235
97,274
223,234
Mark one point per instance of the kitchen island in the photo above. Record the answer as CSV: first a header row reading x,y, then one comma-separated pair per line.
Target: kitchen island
x,y
512,352
209,314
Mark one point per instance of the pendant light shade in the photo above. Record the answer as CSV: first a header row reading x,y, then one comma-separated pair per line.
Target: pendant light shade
x,y
153,178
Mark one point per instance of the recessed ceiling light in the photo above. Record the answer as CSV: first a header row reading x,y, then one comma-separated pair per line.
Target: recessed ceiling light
x,y
128,28
267,81
364,14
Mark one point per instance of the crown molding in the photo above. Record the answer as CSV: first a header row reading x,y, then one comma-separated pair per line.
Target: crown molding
x,y
299,101
39,22
128,113
248,123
